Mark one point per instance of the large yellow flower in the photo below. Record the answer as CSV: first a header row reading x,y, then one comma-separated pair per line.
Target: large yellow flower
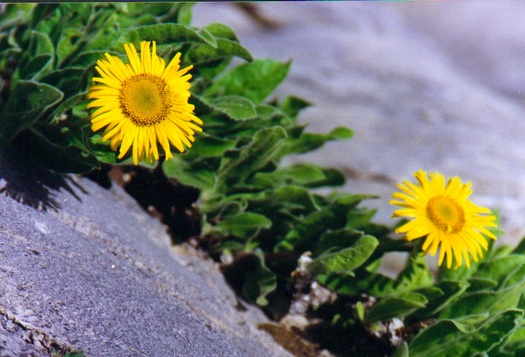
x,y
142,102
443,213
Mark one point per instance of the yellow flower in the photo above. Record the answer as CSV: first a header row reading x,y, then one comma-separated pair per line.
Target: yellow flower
x,y
142,102
443,213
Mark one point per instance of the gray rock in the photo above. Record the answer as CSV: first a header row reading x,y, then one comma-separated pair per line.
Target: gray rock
x,y
84,268
434,86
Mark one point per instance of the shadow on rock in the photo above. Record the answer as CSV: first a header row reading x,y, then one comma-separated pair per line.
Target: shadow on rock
x,y
26,181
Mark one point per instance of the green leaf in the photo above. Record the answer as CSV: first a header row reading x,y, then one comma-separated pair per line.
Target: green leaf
x,y
397,306
28,101
235,107
41,56
67,44
162,34
59,158
345,260
504,271
515,345
449,291
238,164
258,281
307,142
485,302
334,240
89,58
359,217
209,147
255,80
303,174
453,338
186,174
222,31
66,80
402,350
66,105
306,234
244,225
415,276
292,105
341,133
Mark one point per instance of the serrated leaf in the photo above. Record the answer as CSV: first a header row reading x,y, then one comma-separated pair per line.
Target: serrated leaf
x,y
452,338
345,260
397,306
244,224
254,80
27,102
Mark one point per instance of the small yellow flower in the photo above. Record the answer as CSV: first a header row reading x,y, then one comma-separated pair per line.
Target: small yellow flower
x,y
143,102
443,213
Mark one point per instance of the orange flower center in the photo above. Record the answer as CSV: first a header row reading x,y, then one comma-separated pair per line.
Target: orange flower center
x,y
145,99
446,214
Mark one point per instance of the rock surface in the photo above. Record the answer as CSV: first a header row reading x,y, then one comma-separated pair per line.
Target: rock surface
x,y
90,270
427,85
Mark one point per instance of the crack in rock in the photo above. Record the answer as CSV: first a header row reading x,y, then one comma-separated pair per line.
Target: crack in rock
x,y
37,342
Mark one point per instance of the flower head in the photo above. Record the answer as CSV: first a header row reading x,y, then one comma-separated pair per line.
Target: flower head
x,y
443,213
143,102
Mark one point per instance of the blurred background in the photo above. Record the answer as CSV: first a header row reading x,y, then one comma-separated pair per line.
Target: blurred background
x,y
424,85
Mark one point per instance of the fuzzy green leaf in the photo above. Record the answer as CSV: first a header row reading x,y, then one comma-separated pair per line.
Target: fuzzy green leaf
x,y
162,34
345,260
309,141
449,291
486,302
306,234
504,271
42,54
28,101
255,80
304,174
244,225
416,275
453,338
209,147
185,173
235,107
238,164
397,306
67,44
222,31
